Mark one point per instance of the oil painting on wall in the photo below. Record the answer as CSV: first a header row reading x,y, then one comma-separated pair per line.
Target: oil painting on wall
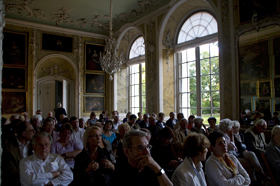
x,y
248,88
246,103
13,102
263,105
57,43
92,56
265,89
93,103
94,83
14,78
276,52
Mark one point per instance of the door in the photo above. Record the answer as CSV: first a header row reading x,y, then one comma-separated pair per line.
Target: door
x,y
46,101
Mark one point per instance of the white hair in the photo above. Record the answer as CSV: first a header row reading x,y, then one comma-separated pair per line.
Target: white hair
x,y
261,122
38,117
225,124
236,123
198,119
275,131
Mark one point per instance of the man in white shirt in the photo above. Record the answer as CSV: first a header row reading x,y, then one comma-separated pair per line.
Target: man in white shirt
x,y
14,151
43,168
116,123
78,133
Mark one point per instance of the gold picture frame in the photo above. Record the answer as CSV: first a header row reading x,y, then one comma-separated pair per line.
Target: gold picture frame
x,y
265,89
94,103
94,83
276,105
56,42
263,105
92,56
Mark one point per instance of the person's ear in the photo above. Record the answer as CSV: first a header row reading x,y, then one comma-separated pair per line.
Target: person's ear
x,y
125,150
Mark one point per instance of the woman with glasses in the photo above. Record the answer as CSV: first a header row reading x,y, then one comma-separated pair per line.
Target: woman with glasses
x,y
94,165
222,168
65,147
190,171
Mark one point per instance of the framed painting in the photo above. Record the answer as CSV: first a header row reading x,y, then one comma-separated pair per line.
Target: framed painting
x,y
57,43
277,87
263,105
254,61
247,9
248,88
94,83
264,89
14,78
276,104
92,56
276,53
13,102
14,48
92,103
246,103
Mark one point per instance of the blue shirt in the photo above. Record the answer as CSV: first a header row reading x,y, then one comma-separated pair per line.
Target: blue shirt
x,y
110,139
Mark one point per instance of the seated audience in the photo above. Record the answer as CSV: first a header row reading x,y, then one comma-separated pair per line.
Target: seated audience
x,y
154,129
14,151
44,168
160,122
140,117
273,153
256,115
212,122
172,120
107,132
179,117
256,138
141,168
92,119
50,115
116,123
179,137
248,159
104,144
82,124
190,172
275,119
36,122
127,117
190,122
222,168
117,144
163,151
132,122
65,147
114,113
48,127
145,122
25,115
77,134
199,127
243,119
60,122
94,165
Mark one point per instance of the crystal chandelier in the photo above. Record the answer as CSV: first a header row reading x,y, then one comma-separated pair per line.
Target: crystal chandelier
x,y
110,62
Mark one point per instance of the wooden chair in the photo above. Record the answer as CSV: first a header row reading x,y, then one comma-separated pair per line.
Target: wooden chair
x,y
268,171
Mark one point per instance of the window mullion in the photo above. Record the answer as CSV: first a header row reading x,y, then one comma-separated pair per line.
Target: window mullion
x,y
198,81
140,87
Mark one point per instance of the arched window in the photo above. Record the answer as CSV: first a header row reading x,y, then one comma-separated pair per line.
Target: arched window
x,y
137,77
198,60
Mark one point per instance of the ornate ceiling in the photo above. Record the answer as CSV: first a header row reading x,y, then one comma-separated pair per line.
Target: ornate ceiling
x,y
84,15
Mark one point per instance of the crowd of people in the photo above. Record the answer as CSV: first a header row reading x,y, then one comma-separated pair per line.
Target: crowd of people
x,y
138,150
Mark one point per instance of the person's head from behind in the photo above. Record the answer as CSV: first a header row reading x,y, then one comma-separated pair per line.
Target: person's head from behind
x,y
39,112
184,123
24,130
65,120
218,143
166,136
275,114
198,122
135,145
196,145
275,134
123,129
14,116
260,125
62,116
149,135
41,144
243,114
99,125
75,123
212,121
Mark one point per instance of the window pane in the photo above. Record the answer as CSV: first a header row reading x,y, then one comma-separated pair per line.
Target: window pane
x,y
206,112
143,89
215,65
192,84
214,49
136,90
143,77
185,100
205,99
186,112
215,82
204,51
132,101
185,85
132,80
184,70
191,69
193,112
205,83
132,92
191,54
184,56
136,101
143,67
216,114
204,67
143,101
143,110
136,78
216,99
193,99
137,48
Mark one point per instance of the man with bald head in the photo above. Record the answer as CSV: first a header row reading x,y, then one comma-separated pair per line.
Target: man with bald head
x,y
180,135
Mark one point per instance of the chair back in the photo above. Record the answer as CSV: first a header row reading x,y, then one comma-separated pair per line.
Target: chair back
x,y
268,170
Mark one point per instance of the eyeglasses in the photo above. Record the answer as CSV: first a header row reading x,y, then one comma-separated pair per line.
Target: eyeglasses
x,y
96,136
141,147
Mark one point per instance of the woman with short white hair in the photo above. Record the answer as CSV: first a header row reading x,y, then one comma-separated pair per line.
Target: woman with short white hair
x,y
199,127
226,127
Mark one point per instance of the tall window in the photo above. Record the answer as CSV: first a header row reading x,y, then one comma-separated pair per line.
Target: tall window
x,y
199,83
137,77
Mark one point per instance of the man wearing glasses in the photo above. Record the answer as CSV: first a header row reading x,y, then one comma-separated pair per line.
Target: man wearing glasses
x,y
16,150
140,168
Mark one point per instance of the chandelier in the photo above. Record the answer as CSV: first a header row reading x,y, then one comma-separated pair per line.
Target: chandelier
x,y
110,62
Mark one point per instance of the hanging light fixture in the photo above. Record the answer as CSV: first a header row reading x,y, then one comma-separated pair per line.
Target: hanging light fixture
x,y
110,62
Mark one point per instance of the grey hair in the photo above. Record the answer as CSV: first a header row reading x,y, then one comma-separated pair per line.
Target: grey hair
x,y
41,135
225,124
260,122
37,116
127,139
198,119
116,116
236,123
275,131
146,115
